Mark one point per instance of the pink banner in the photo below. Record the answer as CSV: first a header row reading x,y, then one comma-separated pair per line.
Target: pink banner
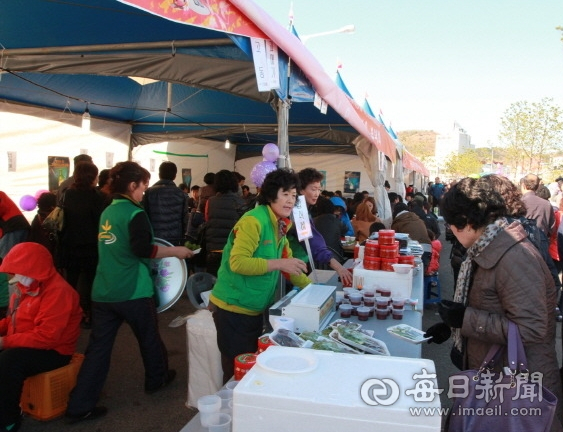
x,y
213,14
323,84
412,163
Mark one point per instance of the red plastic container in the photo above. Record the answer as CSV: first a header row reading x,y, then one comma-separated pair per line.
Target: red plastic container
x,y
372,263
263,343
243,363
388,251
386,237
371,248
406,259
387,263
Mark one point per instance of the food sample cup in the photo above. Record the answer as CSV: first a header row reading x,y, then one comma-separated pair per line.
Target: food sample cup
x,y
363,313
369,292
220,422
382,302
207,406
369,301
345,310
226,395
385,292
397,314
381,314
355,299
231,384
398,302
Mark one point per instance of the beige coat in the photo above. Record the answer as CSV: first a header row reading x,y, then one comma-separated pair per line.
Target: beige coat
x,y
512,282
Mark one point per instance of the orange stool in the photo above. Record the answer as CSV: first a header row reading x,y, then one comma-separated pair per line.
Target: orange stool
x,y
45,395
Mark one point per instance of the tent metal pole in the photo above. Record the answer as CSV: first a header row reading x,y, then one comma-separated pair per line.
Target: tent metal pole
x,y
283,139
119,47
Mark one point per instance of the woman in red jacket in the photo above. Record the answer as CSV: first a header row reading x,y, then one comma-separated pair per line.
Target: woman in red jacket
x,y
41,329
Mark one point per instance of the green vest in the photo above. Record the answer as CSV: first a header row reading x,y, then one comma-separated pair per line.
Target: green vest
x,y
121,275
253,293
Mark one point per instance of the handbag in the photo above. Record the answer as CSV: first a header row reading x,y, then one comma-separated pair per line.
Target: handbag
x,y
54,220
488,400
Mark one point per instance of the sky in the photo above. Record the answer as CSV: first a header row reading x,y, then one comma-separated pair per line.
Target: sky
x,y
429,63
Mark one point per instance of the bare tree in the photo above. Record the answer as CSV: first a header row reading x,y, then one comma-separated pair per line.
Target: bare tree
x,y
532,132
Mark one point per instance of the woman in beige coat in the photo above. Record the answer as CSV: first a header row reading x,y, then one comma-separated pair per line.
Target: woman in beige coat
x,y
503,278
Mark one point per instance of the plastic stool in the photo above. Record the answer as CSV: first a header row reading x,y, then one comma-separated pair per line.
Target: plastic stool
x,y
45,395
432,289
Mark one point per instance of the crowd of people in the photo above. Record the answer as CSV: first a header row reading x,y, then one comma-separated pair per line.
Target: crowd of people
x,y
506,245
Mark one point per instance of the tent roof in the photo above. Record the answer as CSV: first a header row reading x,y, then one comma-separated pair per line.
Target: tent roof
x,y
75,55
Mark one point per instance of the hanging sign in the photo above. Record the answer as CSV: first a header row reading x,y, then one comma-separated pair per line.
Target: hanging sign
x,y
301,219
265,55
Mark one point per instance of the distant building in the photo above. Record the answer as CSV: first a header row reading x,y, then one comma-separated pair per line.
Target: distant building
x,y
457,141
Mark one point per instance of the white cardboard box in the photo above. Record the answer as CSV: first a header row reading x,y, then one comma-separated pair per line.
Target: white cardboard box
x,y
328,398
399,284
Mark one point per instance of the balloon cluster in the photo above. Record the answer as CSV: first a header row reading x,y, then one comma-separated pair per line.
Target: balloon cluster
x,y
270,154
29,202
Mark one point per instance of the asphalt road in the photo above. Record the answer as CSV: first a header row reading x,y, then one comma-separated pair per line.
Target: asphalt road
x,y
131,410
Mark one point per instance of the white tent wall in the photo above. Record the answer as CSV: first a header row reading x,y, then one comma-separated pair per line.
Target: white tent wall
x,y
199,156
333,165
30,140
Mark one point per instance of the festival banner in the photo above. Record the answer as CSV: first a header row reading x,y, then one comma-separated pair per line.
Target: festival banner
x,y
212,14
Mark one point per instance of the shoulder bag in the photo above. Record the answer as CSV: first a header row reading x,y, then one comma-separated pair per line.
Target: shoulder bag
x,y
487,400
55,220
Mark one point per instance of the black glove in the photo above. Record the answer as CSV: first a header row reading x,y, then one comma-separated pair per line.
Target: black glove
x,y
452,313
439,333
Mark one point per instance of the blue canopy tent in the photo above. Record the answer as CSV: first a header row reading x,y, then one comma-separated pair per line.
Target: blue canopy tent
x,y
81,54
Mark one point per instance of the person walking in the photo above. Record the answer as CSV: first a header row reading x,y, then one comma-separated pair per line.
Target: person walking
x,y
123,291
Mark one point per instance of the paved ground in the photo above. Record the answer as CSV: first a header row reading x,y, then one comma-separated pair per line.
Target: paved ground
x,y
131,410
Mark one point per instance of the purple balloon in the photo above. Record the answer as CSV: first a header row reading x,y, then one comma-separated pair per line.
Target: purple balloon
x,y
260,170
28,202
271,152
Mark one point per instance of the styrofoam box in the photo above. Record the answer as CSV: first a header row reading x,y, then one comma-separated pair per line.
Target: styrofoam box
x,y
399,284
327,398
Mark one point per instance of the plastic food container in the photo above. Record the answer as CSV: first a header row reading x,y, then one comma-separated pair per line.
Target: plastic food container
x,y
386,237
388,251
263,343
406,259
372,263
371,249
243,363
387,263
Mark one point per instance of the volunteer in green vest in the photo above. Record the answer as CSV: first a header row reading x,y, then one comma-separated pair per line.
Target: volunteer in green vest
x,y
256,251
123,291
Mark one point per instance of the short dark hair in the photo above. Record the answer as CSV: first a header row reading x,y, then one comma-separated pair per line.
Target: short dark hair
x,y
209,178
324,206
195,188
225,181
308,176
239,176
103,177
399,207
83,157
281,178
167,170
376,226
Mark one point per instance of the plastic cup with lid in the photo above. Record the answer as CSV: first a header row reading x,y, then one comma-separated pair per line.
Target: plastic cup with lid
x,y
345,310
207,406
226,395
219,422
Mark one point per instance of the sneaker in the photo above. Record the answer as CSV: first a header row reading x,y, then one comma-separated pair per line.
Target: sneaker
x,y
97,412
170,375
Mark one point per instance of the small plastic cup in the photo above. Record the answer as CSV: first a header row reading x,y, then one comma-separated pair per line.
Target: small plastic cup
x,y
363,313
207,406
369,301
355,299
382,302
385,292
220,422
345,310
397,314
231,384
398,302
369,292
381,314
226,395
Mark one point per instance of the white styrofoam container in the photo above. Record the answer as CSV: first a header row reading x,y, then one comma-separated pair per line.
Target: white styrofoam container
x,y
399,284
312,308
328,398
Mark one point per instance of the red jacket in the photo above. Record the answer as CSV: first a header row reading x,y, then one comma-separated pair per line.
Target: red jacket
x,y
47,314
434,265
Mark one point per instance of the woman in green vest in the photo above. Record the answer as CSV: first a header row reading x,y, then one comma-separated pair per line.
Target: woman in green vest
x,y
123,291
256,251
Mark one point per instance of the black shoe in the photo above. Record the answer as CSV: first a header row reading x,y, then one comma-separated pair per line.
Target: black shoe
x,y
170,375
97,412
